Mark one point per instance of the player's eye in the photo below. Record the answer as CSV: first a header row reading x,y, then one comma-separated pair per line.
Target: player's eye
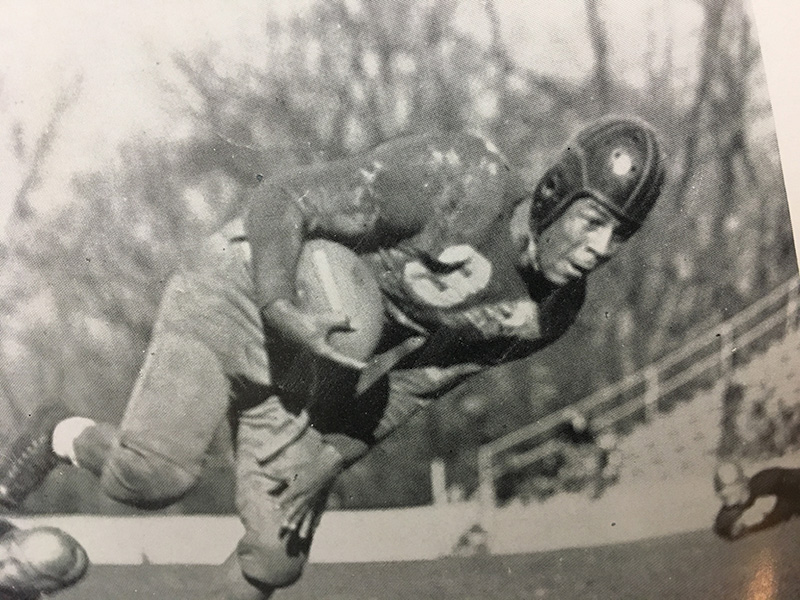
x,y
594,219
597,222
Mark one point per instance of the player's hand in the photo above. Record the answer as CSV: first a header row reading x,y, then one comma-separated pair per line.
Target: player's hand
x,y
303,500
310,331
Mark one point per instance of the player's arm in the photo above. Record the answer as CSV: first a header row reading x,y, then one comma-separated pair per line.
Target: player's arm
x,y
401,188
281,216
360,202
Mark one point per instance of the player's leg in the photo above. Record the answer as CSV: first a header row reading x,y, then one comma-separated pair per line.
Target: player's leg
x,y
207,328
38,561
207,346
179,399
175,409
268,557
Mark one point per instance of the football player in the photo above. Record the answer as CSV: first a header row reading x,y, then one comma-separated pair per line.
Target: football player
x,y
768,498
350,295
37,561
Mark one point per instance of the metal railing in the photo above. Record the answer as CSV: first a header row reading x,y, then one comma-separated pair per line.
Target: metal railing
x,y
714,350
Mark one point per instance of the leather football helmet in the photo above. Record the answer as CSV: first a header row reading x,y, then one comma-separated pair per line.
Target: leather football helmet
x,y
616,161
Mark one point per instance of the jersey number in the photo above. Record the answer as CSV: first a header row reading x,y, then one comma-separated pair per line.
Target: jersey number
x,y
465,272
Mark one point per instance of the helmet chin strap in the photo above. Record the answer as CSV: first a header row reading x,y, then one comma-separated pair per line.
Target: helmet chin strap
x,y
532,252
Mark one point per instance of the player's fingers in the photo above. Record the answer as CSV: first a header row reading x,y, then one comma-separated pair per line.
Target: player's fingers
x,y
302,521
336,321
292,520
313,516
306,525
333,354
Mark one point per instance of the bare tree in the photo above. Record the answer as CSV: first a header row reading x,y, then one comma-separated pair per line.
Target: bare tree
x,y
714,11
22,207
601,77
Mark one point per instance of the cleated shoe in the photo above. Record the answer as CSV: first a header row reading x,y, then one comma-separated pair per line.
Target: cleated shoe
x,y
38,561
25,464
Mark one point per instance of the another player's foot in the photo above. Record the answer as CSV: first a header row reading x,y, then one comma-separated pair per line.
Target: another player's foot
x,y
25,464
39,561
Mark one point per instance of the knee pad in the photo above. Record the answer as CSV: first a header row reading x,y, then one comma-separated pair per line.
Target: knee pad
x,y
144,479
272,564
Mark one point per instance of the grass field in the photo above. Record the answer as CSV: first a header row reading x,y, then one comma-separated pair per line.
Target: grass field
x,y
765,566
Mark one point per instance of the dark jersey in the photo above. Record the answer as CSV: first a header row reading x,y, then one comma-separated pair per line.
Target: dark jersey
x,y
783,484
431,215
6,527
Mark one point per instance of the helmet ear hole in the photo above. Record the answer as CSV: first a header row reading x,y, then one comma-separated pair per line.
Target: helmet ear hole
x,y
549,188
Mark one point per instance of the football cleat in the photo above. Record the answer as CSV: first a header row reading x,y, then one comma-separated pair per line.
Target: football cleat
x,y
39,561
30,458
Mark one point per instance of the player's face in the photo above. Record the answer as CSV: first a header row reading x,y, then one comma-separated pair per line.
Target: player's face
x,y
579,241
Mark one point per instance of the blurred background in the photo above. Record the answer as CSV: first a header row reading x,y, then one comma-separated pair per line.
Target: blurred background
x,y
127,133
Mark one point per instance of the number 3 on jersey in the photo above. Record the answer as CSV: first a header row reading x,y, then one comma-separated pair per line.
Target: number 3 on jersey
x,y
466,273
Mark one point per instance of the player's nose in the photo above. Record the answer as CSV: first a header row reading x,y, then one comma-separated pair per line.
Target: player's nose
x,y
603,243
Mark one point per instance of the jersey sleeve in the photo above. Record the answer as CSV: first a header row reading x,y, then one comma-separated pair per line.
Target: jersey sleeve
x,y
332,201
776,481
430,187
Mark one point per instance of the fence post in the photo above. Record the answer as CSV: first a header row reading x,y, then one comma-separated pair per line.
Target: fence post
x,y
792,306
485,491
438,482
651,393
726,350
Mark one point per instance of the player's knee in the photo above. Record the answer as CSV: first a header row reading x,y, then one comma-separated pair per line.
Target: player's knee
x,y
144,480
270,566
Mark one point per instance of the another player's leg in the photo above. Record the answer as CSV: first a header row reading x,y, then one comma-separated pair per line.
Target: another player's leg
x,y
29,459
38,561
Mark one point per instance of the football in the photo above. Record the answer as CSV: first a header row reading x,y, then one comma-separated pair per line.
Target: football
x,y
333,278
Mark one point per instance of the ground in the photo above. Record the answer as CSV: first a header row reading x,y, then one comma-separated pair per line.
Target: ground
x,y
695,565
